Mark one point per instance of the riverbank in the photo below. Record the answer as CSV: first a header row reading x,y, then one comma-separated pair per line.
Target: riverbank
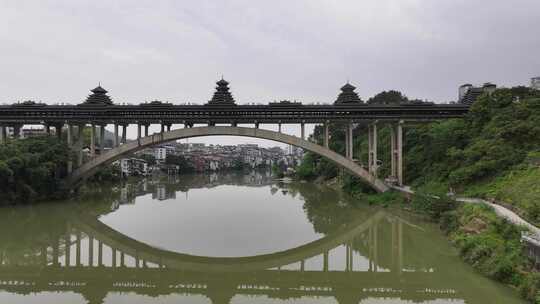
x,y
493,154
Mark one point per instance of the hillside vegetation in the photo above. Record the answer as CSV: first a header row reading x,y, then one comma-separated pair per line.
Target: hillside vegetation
x,y
31,169
493,152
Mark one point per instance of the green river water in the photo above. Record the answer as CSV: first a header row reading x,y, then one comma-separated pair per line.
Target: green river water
x,y
229,238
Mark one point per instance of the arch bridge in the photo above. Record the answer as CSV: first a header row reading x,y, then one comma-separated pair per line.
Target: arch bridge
x,y
98,111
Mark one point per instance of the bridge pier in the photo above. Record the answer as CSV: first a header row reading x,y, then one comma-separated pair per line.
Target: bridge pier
x,y
146,127
79,145
279,127
102,138
303,131
372,143
3,134
124,134
396,137
139,131
92,140
17,131
78,249
326,135
70,146
90,251
349,141
58,129
116,137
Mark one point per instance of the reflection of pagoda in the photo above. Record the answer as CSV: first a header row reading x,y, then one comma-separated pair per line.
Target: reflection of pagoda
x,y
348,95
222,96
98,97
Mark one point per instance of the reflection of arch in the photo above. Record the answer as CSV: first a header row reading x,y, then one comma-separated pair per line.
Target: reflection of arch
x,y
174,260
89,168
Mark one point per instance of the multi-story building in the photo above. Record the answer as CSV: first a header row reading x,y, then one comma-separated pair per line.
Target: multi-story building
x,y
468,93
160,153
133,166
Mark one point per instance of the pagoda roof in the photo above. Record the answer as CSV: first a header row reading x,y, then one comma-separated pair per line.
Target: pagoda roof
x,y
222,96
98,97
348,95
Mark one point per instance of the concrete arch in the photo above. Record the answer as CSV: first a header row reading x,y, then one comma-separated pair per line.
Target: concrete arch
x,y
90,167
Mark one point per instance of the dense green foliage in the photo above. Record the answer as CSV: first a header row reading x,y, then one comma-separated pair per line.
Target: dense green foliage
x,y
487,153
31,169
494,152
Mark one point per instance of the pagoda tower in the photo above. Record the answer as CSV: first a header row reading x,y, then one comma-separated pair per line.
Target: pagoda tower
x,y
222,96
98,97
348,95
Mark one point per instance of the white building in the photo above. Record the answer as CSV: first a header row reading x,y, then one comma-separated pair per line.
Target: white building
x,y
160,153
535,83
133,166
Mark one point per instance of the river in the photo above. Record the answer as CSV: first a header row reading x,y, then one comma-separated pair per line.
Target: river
x,y
229,238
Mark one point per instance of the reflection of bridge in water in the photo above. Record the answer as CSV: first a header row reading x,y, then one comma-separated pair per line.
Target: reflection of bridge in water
x,y
93,259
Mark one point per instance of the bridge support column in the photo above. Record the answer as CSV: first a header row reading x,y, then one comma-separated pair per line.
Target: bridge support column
x,y
396,137
162,128
146,127
70,147
93,140
78,250
279,127
79,145
3,135
169,128
116,137
325,261
139,131
101,139
90,251
100,253
58,129
124,134
17,131
372,143
68,250
326,135
48,130
303,131
349,141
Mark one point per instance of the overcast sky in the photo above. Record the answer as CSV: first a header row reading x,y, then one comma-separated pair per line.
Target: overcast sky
x,y
55,51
